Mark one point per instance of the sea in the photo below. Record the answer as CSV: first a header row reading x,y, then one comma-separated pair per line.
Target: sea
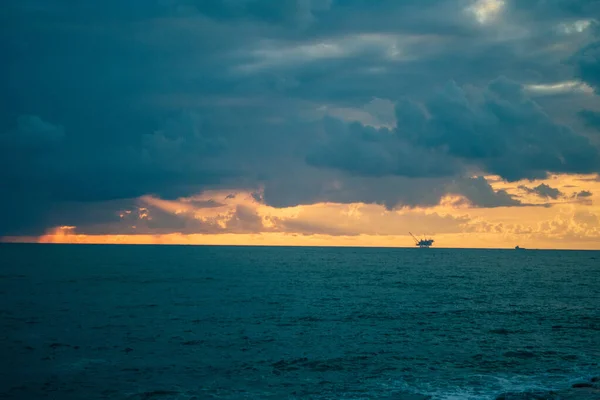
x,y
202,322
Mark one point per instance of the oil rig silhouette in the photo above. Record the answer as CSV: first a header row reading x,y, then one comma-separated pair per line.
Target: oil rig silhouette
x,y
422,243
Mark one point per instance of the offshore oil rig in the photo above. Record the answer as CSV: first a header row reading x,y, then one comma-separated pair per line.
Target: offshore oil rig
x,y
422,243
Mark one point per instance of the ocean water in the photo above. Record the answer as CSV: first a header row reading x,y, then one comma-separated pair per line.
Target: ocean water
x,y
193,322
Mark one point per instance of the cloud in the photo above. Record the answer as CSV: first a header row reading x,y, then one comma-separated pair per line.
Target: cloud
x,y
364,150
481,194
498,129
591,118
216,213
393,103
561,229
583,197
558,9
295,12
583,194
558,88
543,190
31,133
44,165
587,59
588,65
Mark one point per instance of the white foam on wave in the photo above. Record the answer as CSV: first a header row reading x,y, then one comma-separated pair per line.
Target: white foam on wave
x,y
485,387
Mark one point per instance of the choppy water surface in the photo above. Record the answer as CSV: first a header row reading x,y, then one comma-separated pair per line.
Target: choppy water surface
x,y
90,322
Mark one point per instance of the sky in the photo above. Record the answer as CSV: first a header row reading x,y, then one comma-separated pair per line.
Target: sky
x,y
301,122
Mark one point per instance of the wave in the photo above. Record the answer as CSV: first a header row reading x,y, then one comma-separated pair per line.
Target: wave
x,y
494,387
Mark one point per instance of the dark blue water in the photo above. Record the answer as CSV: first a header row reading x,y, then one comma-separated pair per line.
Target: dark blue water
x,y
171,322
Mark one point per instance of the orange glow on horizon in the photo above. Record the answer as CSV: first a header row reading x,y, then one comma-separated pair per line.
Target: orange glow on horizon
x,y
482,241
565,222
458,240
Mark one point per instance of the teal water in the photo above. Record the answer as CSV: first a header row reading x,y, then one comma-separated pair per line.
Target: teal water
x,y
178,322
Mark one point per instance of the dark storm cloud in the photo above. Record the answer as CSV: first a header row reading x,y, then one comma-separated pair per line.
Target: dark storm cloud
x,y
43,165
299,12
557,9
584,194
481,194
499,129
591,118
392,48
103,102
502,130
544,191
367,151
587,59
588,65
177,158
32,132
388,191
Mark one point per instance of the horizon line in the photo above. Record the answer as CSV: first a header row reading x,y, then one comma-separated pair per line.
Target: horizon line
x,y
291,246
